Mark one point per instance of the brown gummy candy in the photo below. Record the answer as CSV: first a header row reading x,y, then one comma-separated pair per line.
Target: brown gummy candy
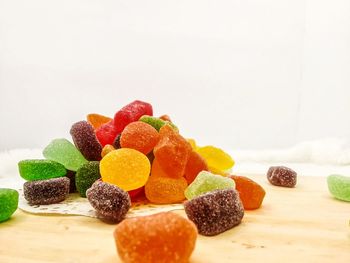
x,y
282,176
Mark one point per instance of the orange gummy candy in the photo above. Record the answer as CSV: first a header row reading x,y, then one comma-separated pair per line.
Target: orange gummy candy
x,y
251,193
172,152
156,170
165,190
96,120
140,136
107,149
195,164
163,238
165,118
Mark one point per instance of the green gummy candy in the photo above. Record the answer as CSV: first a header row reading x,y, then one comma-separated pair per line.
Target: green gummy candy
x,y
32,170
65,153
207,182
86,176
157,123
339,186
8,203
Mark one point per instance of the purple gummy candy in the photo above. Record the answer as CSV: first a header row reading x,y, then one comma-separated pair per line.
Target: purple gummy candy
x,y
116,143
282,176
215,212
45,192
85,140
110,202
71,176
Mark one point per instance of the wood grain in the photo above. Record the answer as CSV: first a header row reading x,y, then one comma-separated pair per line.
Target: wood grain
x,y
304,224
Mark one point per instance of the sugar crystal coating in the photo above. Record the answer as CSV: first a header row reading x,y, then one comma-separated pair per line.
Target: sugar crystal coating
x,y
215,212
216,158
110,202
162,238
86,176
45,192
116,143
106,150
71,176
282,176
106,133
96,120
8,203
157,123
32,170
194,166
339,186
85,140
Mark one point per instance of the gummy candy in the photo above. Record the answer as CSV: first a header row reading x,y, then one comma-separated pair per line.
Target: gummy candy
x,y
64,152
8,203
339,186
134,194
96,120
165,190
157,123
163,238
282,176
172,152
206,182
32,170
165,118
139,136
195,164
71,176
45,192
216,158
107,149
106,133
156,170
193,144
215,212
85,140
130,113
251,193
126,168
110,202
86,176
116,143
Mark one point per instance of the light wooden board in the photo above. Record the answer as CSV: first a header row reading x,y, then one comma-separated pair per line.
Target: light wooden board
x,y
304,224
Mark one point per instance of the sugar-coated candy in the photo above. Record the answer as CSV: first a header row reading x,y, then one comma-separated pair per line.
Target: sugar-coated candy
x,y
110,202
71,176
215,212
32,170
106,133
116,143
135,194
45,192
85,140
64,152
282,176
251,193
126,168
156,170
339,186
107,149
206,182
96,120
165,190
194,166
86,176
8,203
130,113
193,143
172,152
165,117
139,136
157,123
216,158
160,238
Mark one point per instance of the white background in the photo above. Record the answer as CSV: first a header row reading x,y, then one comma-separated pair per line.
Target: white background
x,y
246,74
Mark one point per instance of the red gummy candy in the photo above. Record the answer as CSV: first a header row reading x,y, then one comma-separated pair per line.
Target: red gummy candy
x,y
106,133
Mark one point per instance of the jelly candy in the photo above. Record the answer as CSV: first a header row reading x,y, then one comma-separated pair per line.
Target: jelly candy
x,y
156,170
165,118
107,149
215,212
116,143
162,238
106,133
157,123
86,176
250,192
193,144
206,182
282,176
216,158
85,140
71,176
45,192
8,203
126,168
130,113
195,164
339,186
96,120
172,152
110,202
165,190
135,194
64,152
139,136
32,170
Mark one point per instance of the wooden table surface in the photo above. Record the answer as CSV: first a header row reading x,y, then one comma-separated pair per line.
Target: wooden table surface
x,y
304,224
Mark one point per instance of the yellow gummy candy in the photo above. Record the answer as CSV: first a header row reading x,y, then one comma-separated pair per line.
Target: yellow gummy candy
x,y
217,159
107,149
193,143
126,168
